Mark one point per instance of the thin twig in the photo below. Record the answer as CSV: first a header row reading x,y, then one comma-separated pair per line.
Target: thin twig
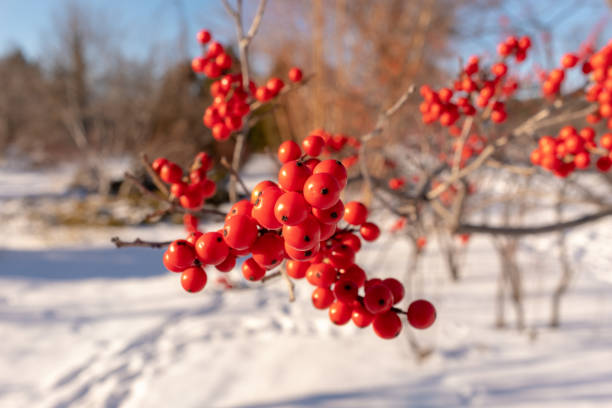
x,y
154,176
271,276
119,243
380,125
541,229
229,168
290,285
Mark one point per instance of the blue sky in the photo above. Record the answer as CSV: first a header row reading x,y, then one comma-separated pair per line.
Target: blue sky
x,y
25,23
143,24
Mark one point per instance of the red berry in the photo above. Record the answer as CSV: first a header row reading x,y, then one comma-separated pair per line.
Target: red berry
x,y
171,173
369,231
322,298
355,213
313,145
569,61
263,94
421,242
292,175
252,271
321,275
604,164
335,168
178,189
291,208
327,230
221,132
378,299
351,240
303,236
193,279
268,250
421,314
354,273
240,231
312,163
191,199
243,207
263,210
296,269
322,190
259,188
295,74
214,49
396,288
340,313
345,290
203,36
158,164
387,325
582,160
288,151
211,249
499,69
361,317
180,255
330,215
606,141
275,85
341,256
192,238
302,255
228,264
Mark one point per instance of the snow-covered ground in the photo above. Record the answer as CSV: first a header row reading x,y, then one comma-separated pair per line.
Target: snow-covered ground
x,y
86,325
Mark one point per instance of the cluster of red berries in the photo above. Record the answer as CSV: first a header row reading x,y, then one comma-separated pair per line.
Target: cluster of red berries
x,y
214,61
320,142
571,150
475,88
296,219
601,91
554,79
231,99
190,191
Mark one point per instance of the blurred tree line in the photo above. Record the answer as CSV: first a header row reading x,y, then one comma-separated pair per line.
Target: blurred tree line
x,y
85,100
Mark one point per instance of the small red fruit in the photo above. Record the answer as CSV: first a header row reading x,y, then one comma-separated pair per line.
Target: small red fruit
x,y
421,314
369,231
211,249
295,74
240,231
321,190
355,213
340,313
288,151
296,269
322,298
378,299
387,325
171,173
193,279
252,271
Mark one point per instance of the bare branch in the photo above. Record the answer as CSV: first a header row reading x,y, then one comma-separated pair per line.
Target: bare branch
x,y
256,20
139,243
541,229
290,286
229,168
154,176
380,125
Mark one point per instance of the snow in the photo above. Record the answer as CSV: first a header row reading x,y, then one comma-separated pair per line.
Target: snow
x,y
86,325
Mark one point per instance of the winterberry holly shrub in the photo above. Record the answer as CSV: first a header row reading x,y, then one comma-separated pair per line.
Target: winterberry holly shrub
x,y
300,220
